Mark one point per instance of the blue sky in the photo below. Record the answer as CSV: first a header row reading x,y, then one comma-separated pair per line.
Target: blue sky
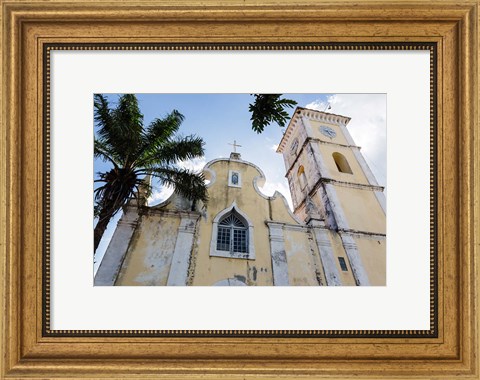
x,y
222,118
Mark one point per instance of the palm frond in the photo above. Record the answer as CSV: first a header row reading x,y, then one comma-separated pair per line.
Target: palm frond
x,y
120,128
185,182
105,152
161,152
102,113
163,129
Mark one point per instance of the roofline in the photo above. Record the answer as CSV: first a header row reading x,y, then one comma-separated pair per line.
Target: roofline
x,y
327,117
211,162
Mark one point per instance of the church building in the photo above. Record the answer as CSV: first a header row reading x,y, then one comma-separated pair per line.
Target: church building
x,y
336,234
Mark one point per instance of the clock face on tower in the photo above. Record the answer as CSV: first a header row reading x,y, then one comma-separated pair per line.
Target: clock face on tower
x,y
327,131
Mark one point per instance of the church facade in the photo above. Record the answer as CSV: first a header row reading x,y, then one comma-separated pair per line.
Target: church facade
x,y
336,234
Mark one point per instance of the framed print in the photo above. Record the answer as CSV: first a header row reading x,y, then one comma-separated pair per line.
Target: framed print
x,y
317,162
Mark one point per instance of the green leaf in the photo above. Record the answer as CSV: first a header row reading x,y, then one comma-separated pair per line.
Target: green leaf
x,y
269,108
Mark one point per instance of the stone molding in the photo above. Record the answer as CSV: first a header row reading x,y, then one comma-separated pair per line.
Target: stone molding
x,y
363,234
178,275
172,213
287,226
327,257
351,249
278,254
351,185
117,249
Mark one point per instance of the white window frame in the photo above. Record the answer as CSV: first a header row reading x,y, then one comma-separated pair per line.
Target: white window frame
x,y
250,255
230,174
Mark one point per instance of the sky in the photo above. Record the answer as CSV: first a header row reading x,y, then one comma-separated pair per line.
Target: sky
x,y
222,118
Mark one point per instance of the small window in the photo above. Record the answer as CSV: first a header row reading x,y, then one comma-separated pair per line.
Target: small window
x,y
232,235
302,178
342,163
343,264
234,179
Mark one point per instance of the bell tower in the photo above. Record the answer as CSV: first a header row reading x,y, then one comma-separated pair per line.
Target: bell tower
x,y
334,191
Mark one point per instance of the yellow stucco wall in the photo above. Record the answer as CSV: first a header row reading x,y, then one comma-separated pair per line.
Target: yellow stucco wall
x,y
303,264
338,250
208,269
361,209
357,175
339,138
149,256
150,252
280,212
373,255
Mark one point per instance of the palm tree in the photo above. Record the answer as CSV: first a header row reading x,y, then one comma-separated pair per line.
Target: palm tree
x,y
135,152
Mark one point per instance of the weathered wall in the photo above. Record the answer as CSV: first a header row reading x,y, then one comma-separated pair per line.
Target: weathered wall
x,y
150,253
258,208
357,175
344,201
304,267
373,253
149,257
362,210
285,251
337,246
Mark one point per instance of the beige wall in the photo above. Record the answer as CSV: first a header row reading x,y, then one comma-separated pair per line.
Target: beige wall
x,y
337,246
339,138
361,209
304,267
372,251
357,175
149,256
209,270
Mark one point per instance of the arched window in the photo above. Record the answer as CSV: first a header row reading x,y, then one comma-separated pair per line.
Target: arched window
x,y
302,178
342,163
232,235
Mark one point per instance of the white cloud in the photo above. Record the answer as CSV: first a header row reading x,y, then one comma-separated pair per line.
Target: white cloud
x,y
318,105
159,196
274,147
368,126
195,165
161,193
270,187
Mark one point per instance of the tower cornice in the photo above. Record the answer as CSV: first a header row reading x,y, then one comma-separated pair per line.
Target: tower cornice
x,y
313,115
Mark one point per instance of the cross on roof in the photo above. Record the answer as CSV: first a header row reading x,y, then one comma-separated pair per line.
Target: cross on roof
x,y
235,145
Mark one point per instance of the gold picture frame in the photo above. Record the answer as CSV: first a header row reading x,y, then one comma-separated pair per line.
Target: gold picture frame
x,y
30,351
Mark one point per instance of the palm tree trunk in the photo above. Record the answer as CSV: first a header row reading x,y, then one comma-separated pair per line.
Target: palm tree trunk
x,y
103,220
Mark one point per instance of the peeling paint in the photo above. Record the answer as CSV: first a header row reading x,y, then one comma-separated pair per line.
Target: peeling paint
x,y
240,278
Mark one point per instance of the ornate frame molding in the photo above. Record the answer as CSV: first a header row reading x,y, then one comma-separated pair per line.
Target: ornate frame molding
x,y
30,350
